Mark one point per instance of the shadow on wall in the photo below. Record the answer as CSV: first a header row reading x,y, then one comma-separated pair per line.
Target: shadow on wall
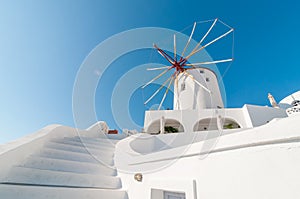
x,y
170,126
146,143
211,124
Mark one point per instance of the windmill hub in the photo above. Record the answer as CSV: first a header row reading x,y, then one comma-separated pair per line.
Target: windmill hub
x,y
178,66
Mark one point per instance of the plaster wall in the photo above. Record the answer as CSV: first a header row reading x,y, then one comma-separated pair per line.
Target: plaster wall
x,y
260,115
188,95
261,162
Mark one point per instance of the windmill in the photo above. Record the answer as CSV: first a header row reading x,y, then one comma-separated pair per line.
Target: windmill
x,y
183,69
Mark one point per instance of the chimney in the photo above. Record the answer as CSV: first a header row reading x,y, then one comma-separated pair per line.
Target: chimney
x,y
272,101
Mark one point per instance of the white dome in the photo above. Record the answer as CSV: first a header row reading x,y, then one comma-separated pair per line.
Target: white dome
x,y
288,101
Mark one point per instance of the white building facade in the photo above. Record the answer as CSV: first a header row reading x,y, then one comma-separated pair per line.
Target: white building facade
x,y
198,106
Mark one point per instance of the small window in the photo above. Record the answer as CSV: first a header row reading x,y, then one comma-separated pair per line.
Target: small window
x,y
164,194
182,86
296,103
173,195
201,71
207,79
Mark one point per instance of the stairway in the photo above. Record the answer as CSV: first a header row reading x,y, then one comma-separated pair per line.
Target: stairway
x,y
69,167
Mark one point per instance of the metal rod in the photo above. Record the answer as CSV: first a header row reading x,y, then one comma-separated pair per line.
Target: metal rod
x,y
175,56
208,31
159,68
155,78
163,99
164,54
210,62
190,38
213,41
192,77
150,98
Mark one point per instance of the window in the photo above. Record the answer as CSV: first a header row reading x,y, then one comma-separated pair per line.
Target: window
x,y
173,195
296,103
164,194
182,86
207,79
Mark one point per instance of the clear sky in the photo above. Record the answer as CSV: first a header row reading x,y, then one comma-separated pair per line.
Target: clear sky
x,y
43,43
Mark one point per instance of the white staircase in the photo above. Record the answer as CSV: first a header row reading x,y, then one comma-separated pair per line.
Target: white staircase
x,y
69,167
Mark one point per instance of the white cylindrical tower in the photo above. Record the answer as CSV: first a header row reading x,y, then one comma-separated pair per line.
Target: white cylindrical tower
x,y
189,93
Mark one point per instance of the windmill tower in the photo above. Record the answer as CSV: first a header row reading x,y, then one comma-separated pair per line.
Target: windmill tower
x,y
197,90
195,86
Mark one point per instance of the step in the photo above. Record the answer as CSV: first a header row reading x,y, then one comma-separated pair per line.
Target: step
x,y
79,149
68,166
29,176
108,140
74,156
116,136
84,144
40,192
96,140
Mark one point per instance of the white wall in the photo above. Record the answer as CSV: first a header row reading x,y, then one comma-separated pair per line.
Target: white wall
x,y
262,162
247,117
260,115
188,95
189,118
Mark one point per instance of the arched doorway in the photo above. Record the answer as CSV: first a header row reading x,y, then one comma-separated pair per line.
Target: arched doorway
x,y
170,126
209,124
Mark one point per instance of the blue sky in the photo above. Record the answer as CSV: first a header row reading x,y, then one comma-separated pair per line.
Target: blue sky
x,y
43,43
